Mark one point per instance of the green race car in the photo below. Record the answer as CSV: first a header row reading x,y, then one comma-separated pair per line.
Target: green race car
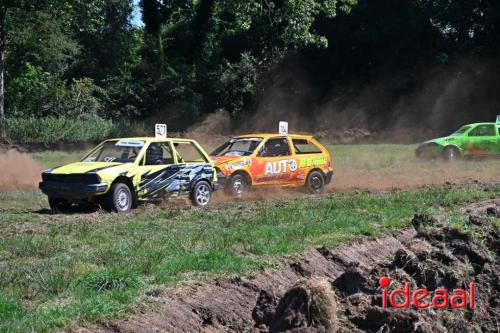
x,y
473,140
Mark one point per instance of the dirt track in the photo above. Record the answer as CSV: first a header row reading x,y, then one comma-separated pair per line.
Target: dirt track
x,y
429,255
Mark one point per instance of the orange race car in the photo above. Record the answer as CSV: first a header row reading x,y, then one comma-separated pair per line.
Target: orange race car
x,y
257,160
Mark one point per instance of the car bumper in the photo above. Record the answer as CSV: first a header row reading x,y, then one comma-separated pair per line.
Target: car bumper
x,y
221,180
428,150
328,177
72,190
216,186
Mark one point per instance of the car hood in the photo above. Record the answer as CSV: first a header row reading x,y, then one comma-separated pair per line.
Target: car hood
x,y
442,140
91,167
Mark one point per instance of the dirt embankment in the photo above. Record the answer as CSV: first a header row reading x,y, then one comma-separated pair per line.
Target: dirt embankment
x,y
18,171
330,290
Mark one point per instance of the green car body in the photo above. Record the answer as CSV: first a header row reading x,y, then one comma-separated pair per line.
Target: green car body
x,y
479,139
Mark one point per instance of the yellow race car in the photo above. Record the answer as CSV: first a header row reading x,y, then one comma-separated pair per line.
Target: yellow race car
x,y
257,160
120,173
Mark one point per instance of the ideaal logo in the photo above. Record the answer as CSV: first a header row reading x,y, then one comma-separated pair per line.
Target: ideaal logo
x,y
274,168
423,298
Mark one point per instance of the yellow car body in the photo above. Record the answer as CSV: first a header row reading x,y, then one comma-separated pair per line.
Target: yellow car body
x,y
273,160
151,168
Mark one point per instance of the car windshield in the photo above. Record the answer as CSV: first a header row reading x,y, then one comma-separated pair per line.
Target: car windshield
x,y
461,130
122,151
237,147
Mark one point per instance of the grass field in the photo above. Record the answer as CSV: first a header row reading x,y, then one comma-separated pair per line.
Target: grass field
x,y
57,271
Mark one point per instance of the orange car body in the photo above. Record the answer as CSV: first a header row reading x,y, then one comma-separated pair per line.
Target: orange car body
x,y
283,168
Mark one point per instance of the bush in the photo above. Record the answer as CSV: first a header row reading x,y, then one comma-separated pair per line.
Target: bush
x,y
38,93
50,130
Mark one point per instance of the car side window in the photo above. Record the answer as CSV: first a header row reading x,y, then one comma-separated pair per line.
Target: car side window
x,y
275,147
159,153
484,130
187,152
303,146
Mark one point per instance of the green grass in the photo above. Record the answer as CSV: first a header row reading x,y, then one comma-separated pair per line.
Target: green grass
x,y
63,270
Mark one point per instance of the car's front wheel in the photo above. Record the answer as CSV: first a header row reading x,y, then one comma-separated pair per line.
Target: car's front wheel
x,y
120,198
201,194
59,205
451,154
237,185
315,182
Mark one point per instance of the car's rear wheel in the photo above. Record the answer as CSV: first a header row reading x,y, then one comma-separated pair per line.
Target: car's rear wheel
x,y
451,154
59,205
315,183
237,185
201,194
120,198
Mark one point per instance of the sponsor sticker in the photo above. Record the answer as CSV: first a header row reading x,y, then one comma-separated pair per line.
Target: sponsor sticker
x,y
278,167
273,178
237,166
312,161
130,143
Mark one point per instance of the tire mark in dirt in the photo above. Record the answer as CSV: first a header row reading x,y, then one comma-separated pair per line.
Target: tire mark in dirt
x,y
228,306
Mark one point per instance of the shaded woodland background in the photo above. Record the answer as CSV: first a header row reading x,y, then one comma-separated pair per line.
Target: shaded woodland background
x,y
408,67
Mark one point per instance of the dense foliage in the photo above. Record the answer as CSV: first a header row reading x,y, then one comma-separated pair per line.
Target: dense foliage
x,y
53,130
86,60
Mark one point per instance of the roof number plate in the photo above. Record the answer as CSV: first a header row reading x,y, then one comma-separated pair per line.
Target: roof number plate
x,y
161,131
283,127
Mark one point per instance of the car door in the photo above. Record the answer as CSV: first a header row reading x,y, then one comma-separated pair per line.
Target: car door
x,y
278,164
496,149
193,165
308,156
483,140
158,170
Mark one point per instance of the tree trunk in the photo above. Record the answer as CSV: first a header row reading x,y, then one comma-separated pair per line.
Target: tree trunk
x,y
3,132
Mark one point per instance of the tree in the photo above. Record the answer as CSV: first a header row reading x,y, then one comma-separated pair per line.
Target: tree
x,y
3,13
206,54
4,6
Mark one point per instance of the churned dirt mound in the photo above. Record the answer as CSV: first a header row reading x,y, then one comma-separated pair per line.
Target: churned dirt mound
x,y
338,290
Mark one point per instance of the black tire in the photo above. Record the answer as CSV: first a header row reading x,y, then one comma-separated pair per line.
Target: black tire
x,y
315,183
119,198
451,154
59,205
237,186
201,194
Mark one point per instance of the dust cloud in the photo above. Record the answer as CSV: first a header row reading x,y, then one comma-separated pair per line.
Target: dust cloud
x,y
448,99
18,171
212,131
404,107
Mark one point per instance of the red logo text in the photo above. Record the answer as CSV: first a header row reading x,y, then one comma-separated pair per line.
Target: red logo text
x,y
423,298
